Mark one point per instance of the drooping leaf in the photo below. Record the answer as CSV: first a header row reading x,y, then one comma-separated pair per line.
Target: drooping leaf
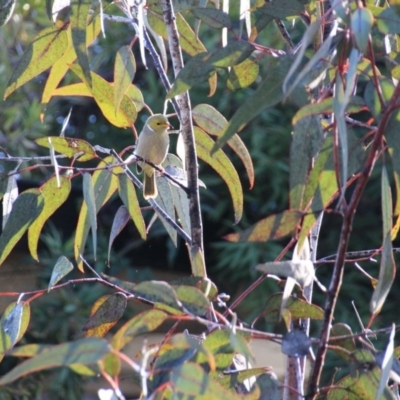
x,y
103,93
70,147
371,97
223,166
243,75
282,9
211,121
10,195
105,313
361,24
78,17
54,197
349,345
84,351
214,18
6,10
193,300
62,267
120,220
273,227
46,48
105,183
127,193
124,72
26,209
89,198
386,364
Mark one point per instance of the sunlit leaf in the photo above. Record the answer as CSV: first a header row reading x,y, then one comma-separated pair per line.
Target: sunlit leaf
x,y
223,166
6,10
193,300
84,351
243,75
26,209
69,147
10,195
54,197
46,48
361,24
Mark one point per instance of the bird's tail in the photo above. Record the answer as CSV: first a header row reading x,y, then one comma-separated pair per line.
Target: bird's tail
x,y
149,186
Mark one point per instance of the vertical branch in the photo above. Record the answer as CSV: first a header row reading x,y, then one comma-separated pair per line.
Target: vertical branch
x,y
337,274
183,101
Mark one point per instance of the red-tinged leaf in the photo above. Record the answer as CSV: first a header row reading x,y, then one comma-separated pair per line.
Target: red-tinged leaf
x,y
54,197
211,121
47,47
213,17
84,351
127,193
103,93
121,218
124,72
273,227
62,268
105,313
223,166
61,65
79,16
69,147
26,209
105,183
13,325
144,322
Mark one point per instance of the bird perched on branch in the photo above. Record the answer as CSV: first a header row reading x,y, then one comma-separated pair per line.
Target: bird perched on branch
x,y
152,145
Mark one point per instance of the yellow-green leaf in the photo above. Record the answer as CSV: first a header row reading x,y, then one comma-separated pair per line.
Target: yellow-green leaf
x,y
127,193
124,71
69,147
223,166
26,209
214,123
62,268
54,197
103,93
47,47
243,75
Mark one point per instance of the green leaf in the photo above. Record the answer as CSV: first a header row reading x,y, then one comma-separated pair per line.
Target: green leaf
x,y
26,209
144,322
54,197
103,93
127,193
273,227
105,313
267,95
62,268
69,147
214,18
388,21
223,166
282,9
243,75
121,218
124,72
89,198
211,121
371,95
47,47
341,329
105,183
84,351
361,24
387,269
193,300
79,16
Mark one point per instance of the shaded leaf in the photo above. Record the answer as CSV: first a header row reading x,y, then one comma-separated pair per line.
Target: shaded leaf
x,y
388,21
193,300
46,48
282,8
6,10
273,227
54,197
88,196
212,17
341,329
127,193
223,166
120,220
296,343
361,24
62,268
105,313
70,147
83,351
26,209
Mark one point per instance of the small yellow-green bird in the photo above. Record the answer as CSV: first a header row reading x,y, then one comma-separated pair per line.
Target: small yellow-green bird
x,y
152,145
